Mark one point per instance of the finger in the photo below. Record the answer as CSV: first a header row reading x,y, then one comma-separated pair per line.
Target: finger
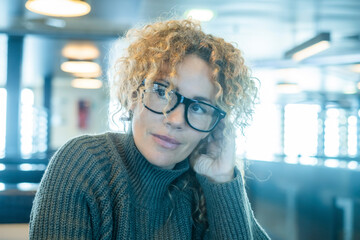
x,y
218,133
228,151
213,149
202,165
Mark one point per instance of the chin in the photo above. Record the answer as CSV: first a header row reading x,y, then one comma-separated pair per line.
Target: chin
x,y
162,160
162,164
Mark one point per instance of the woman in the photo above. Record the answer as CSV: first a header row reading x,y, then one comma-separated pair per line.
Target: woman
x,y
173,175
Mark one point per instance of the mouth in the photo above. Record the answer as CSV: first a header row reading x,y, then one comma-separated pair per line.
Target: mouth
x,y
165,141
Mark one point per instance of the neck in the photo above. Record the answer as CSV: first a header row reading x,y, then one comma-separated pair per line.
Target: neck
x,y
149,183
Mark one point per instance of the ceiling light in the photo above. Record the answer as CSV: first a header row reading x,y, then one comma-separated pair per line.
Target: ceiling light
x,y
88,74
309,48
59,8
86,83
203,15
80,67
81,51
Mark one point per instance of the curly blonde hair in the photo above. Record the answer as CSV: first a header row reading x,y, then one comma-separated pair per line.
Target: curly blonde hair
x,y
157,50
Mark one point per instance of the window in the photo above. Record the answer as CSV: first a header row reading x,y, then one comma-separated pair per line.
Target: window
x,y
301,129
332,139
27,121
33,125
352,136
262,138
3,55
3,59
2,121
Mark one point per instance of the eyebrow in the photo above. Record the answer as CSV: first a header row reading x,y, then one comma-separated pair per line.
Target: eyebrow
x,y
163,81
202,99
198,98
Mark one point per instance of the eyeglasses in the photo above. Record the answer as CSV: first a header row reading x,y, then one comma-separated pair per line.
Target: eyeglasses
x,y
199,115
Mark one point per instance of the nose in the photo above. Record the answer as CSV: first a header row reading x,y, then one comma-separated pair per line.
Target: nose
x,y
176,119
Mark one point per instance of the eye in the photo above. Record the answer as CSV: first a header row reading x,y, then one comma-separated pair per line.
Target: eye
x,y
159,90
198,108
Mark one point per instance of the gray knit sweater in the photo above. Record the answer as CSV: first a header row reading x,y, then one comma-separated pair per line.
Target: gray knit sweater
x,y
101,187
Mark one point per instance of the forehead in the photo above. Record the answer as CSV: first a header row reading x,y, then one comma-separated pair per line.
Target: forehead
x,y
194,78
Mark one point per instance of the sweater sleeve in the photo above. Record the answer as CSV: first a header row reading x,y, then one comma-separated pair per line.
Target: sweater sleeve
x,y
60,209
228,210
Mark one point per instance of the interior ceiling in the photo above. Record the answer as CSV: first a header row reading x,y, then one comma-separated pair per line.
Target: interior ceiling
x,y
263,29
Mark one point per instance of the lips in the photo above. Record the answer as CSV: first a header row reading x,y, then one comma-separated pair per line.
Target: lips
x,y
165,141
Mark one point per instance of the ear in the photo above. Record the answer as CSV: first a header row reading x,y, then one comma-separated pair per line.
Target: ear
x,y
133,103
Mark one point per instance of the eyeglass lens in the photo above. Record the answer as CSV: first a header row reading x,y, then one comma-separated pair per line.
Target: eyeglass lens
x,y
199,115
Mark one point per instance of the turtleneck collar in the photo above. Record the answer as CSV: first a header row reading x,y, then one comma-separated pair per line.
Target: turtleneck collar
x,y
149,183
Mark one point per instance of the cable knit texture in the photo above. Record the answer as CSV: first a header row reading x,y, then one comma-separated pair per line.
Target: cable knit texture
x,y
101,187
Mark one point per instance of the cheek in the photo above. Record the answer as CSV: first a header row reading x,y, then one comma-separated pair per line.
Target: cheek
x,y
195,139
140,119
143,120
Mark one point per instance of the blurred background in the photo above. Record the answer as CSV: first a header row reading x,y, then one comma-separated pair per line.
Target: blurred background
x,y
302,150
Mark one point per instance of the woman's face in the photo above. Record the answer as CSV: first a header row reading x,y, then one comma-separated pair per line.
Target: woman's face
x,y
165,141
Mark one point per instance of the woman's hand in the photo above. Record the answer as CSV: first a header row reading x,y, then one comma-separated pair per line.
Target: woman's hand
x,y
218,162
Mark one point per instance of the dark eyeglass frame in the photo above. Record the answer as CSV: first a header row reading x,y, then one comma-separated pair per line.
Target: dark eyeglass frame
x,y
187,102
